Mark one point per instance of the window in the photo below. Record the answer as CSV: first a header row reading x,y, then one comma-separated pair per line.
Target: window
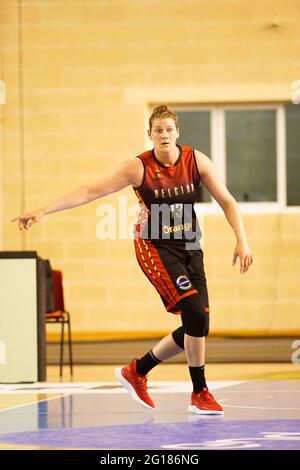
x,y
292,113
251,154
252,148
195,131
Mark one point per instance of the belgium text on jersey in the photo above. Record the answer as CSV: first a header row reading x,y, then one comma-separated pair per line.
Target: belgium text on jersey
x,y
175,191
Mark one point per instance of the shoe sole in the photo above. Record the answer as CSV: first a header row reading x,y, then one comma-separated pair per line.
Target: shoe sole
x,y
198,411
130,389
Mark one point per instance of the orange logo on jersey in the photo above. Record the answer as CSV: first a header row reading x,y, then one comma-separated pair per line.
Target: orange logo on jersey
x,y
157,173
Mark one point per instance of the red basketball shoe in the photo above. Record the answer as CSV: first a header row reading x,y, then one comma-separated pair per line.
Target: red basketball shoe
x,y
135,384
203,403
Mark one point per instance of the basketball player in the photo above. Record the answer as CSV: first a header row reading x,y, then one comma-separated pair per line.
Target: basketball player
x,y
165,180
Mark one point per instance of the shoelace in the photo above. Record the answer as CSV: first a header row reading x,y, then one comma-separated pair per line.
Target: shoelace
x,y
142,380
206,395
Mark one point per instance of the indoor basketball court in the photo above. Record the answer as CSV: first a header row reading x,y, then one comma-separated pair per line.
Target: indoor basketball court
x,y
149,140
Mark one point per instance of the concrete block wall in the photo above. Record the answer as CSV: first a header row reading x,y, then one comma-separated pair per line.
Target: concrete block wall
x,y
81,77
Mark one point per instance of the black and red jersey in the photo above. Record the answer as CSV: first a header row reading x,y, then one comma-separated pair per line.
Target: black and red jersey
x,y
167,196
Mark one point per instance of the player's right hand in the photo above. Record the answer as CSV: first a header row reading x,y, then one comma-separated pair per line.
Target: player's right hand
x,y
25,221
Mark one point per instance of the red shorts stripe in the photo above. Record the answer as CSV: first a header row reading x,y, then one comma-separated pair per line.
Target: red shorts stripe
x,y
153,278
156,274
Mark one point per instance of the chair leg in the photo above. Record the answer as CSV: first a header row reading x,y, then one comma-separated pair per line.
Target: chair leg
x,y
62,348
70,345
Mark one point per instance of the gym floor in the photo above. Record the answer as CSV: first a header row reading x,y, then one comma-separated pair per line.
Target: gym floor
x,y
92,411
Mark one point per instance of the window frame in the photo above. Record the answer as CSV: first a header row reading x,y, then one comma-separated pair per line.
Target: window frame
x,y
218,154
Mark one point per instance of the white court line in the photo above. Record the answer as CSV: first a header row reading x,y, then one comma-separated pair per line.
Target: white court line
x,y
37,385
72,388
260,407
28,403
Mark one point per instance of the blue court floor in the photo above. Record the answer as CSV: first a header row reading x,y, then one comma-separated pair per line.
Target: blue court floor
x,y
102,415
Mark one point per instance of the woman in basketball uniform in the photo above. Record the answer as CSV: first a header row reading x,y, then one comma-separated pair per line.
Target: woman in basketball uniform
x,y
166,180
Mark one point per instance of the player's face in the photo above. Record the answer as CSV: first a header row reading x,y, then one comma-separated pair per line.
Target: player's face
x,y
164,134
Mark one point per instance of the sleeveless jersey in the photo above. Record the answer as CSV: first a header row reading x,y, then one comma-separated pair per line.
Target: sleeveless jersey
x,y
167,196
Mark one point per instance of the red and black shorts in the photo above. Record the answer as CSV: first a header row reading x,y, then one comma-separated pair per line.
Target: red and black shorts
x,y
174,271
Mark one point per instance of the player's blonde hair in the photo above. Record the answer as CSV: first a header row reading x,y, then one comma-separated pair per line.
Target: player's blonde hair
x,y
162,111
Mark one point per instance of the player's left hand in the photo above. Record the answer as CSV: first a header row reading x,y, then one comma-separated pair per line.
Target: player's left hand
x,y
243,251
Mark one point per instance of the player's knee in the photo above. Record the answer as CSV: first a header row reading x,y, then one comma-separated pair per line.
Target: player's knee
x,y
178,337
194,315
197,324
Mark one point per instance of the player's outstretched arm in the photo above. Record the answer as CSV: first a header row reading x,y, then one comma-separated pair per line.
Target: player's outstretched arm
x,y
128,173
